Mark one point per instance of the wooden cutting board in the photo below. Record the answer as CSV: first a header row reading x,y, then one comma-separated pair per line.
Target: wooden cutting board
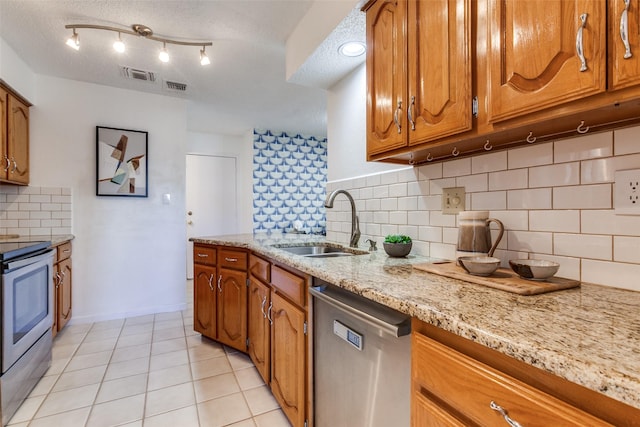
x,y
502,278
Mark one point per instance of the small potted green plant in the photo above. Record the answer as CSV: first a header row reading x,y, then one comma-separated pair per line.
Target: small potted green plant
x,y
397,245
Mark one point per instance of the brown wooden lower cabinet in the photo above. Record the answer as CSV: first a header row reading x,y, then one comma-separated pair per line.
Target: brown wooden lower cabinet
x,y
244,301
62,298
456,382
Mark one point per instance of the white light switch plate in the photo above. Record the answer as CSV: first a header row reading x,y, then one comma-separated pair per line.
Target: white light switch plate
x,y
453,200
627,192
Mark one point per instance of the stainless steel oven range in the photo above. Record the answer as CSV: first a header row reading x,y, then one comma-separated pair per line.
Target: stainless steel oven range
x,y
25,320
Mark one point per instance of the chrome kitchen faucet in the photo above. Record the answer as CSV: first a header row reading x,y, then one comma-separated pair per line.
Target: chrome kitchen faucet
x,y
355,222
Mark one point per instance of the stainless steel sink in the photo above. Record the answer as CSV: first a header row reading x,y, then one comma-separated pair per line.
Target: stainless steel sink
x,y
320,251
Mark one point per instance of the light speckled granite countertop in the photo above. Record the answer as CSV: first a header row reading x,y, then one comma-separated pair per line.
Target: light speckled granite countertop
x,y
588,335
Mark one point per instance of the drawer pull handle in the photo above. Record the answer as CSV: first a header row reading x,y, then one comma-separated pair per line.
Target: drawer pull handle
x,y
396,116
203,256
66,251
269,313
231,259
579,43
624,30
493,405
264,302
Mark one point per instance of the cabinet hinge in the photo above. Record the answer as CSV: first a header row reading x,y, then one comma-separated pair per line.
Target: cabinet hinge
x,y
305,328
247,282
474,107
247,342
306,423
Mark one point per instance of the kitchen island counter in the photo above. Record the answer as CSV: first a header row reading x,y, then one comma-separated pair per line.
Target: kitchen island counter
x,y
588,335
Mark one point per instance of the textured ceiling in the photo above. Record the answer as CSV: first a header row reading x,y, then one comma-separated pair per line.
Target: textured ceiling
x,y
244,87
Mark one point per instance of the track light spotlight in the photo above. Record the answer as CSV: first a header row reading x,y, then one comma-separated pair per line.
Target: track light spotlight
x,y
73,41
204,59
164,54
118,45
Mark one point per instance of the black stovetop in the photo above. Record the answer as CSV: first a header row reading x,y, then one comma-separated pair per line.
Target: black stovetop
x,y
11,250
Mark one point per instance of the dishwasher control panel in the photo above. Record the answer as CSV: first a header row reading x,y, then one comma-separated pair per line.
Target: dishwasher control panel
x,y
347,334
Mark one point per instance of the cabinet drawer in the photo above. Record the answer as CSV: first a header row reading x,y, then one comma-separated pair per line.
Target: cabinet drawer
x,y
204,255
289,284
63,251
233,259
469,387
259,268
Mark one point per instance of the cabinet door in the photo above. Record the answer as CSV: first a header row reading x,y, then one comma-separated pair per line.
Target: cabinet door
x,y
4,98
386,76
427,413
288,359
258,328
18,140
204,300
624,43
533,59
439,69
232,308
63,293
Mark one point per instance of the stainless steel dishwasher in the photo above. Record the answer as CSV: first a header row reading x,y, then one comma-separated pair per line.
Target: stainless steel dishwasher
x,y
362,360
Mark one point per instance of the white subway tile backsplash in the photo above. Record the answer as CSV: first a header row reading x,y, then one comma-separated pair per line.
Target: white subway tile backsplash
x,y
436,185
489,162
398,190
625,141
555,175
529,241
555,200
533,155
40,198
567,221
21,214
616,274
489,200
473,183
457,167
508,180
626,249
31,211
582,197
607,222
589,246
430,171
589,146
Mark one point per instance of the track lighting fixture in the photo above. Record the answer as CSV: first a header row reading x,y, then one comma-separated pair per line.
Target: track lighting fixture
x,y
141,31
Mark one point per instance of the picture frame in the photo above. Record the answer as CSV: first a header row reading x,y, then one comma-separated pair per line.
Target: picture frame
x,y
121,162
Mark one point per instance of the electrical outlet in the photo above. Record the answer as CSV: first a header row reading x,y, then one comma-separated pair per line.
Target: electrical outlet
x,y
627,192
453,200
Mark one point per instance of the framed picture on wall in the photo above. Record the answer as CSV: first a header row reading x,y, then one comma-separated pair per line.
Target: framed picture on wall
x,y
121,162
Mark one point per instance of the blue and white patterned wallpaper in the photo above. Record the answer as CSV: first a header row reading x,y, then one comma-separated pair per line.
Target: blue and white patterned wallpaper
x,y
289,182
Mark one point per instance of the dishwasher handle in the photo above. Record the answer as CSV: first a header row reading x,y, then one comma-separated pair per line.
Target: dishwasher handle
x,y
370,312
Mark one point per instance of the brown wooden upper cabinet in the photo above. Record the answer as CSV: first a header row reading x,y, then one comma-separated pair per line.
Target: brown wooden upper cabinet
x,y
458,77
544,53
14,142
418,72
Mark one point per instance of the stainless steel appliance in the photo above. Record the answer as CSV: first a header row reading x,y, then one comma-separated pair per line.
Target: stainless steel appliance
x,y
26,318
362,361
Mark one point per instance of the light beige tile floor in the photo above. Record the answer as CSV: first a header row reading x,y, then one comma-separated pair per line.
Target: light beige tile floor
x,y
151,371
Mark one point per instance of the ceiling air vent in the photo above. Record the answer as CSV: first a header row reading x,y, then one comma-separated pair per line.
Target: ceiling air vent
x,y
135,74
175,86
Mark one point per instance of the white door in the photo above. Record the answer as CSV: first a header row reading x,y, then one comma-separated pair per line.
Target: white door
x,y
211,198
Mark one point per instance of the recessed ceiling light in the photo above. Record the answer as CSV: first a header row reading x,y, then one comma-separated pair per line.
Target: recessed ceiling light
x,y
352,49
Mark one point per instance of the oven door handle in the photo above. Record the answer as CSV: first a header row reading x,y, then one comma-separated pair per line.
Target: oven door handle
x,y
28,260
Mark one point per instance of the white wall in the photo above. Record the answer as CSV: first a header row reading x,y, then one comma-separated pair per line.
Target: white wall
x,y
346,129
16,73
240,147
128,254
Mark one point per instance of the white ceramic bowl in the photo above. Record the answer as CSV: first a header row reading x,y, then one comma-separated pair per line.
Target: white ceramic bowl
x,y
534,269
479,265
